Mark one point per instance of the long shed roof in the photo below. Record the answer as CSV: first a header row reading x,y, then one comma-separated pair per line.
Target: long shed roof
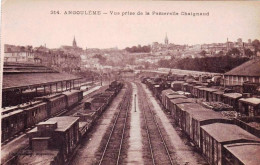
x,y
30,79
249,68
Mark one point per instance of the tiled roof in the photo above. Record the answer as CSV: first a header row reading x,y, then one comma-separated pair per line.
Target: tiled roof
x,y
249,68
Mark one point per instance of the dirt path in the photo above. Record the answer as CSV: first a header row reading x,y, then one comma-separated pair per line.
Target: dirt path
x,y
90,145
134,154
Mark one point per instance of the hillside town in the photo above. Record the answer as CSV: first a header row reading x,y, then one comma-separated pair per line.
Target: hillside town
x,y
73,58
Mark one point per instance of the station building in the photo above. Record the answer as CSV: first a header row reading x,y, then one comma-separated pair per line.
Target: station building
x,y
247,72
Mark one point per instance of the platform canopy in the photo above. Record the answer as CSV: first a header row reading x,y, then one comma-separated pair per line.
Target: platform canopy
x,y
29,80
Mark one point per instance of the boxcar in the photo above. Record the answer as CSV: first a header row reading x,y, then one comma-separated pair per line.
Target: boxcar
x,y
184,118
72,97
177,85
35,113
249,106
241,154
217,95
216,135
203,118
12,123
55,103
232,99
195,91
174,103
164,93
170,97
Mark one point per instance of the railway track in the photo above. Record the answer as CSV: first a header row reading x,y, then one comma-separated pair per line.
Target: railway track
x,y
112,151
159,151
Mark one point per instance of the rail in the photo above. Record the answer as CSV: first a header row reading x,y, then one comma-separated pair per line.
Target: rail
x,y
157,126
125,101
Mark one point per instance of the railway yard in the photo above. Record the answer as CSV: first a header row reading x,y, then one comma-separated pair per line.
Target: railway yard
x,y
144,120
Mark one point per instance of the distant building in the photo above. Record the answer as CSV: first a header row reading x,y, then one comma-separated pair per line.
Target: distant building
x,y
248,71
23,54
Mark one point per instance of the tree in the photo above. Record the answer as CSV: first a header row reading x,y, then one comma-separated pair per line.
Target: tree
x,y
248,52
221,53
203,53
233,51
256,45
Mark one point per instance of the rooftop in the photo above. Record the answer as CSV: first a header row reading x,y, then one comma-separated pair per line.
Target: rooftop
x,y
228,132
249,68
167,91
12,113
207,115
233,95
178,82
252,100
192,107
30,79
210,89
175,96
219,92
39,157
63,123
182,100
247,153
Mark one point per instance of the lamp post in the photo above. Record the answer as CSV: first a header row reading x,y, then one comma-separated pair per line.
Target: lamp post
x,y
135,102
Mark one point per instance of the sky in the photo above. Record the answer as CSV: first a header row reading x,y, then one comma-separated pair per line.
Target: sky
x,y
30,22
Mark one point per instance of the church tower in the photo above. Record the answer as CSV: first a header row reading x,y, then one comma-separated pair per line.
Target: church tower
x,y
166,41
74,44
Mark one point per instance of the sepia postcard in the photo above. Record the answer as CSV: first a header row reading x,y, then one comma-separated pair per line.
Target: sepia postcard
x,y
130,82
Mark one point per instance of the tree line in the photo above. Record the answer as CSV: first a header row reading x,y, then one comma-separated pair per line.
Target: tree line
x,y
220,64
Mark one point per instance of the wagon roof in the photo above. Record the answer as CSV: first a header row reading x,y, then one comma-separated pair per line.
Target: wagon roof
x,y
175,96
182,100
172,93
167,91
233,95
63,122
206,115
247,153
178,82
223,132
252,100
210,89
219,92
198,86
191,107
36,105
12,113
40,157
